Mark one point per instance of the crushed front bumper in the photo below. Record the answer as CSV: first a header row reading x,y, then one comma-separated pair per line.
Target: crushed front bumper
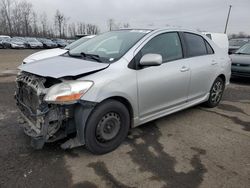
x,y
51,124
44,122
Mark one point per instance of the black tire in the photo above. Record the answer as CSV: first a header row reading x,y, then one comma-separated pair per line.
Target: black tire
x,y
110,113
216,93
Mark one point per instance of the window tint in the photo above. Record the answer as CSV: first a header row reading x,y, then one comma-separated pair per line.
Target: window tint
x,y
195,45
168,45
209,48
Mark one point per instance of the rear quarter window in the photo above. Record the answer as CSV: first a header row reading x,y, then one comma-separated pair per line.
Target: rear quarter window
x,y
209,48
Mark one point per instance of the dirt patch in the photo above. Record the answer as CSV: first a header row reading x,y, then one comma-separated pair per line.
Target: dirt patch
x,y
11,59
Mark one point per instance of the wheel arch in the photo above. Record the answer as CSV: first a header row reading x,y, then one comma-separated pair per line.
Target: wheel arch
x,y
126,103
223,77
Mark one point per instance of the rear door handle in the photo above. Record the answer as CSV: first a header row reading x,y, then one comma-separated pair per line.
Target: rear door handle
x,y
184,69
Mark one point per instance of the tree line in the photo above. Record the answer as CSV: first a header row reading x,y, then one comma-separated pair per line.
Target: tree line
x,y
239,35
18,18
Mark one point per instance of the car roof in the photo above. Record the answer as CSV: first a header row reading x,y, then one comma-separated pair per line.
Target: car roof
x,y
167,29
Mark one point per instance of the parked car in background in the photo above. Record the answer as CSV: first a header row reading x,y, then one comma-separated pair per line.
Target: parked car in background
x,y
33,43
241,61
70,41
60,42
220,39
235,44
13,43
1,43
47,43
116,81
4,37
55,52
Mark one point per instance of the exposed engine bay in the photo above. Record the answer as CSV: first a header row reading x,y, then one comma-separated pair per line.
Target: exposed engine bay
x,y
44,122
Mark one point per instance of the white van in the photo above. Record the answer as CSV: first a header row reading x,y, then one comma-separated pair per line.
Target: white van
x,y
220,39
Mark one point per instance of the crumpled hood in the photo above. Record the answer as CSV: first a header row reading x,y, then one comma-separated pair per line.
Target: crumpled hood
x,y
240,59
60,66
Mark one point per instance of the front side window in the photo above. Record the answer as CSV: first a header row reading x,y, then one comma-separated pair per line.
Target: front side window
x,y
168,45
195,45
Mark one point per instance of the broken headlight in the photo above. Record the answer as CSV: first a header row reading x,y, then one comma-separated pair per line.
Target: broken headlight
x,y
67,92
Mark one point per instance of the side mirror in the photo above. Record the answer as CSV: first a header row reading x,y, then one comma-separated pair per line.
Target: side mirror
x,y
151,60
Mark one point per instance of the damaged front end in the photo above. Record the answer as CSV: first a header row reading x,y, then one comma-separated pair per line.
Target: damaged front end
x,y
44,122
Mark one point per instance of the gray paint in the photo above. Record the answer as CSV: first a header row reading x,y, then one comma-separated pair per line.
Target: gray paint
x,y
153,92
60,66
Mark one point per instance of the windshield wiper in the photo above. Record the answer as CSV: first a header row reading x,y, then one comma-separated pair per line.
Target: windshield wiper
x,y
91,56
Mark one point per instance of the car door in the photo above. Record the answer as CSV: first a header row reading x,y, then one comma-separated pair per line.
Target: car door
x,y
164,86
203,65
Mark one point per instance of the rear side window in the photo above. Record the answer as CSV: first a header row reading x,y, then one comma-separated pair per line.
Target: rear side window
x,y
209,48
168,45
195,45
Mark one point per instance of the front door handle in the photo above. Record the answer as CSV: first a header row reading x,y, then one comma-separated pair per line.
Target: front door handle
x,y
184,69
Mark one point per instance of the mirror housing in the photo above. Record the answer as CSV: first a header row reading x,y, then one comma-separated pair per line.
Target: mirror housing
x,y
151,60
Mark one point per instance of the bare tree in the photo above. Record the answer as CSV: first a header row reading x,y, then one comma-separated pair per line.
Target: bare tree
x,y
59,21
72,29
81,28
17,17
17,20
35,29
238,35
44,24
111,24
126,25
26,15
6,6
92,29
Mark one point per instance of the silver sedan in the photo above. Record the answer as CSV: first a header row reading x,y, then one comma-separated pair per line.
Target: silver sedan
x,y
116,81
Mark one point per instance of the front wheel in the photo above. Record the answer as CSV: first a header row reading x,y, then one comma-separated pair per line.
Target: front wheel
x,y
216,93
107,127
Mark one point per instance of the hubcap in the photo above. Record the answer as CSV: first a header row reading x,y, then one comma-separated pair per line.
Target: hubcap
x,y
217,92
108,127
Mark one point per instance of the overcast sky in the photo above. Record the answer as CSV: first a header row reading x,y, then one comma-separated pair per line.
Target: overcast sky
x,y
209,15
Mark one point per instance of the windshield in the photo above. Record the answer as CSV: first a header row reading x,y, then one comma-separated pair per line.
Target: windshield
x,y
237,42
76,43
110,46
244,49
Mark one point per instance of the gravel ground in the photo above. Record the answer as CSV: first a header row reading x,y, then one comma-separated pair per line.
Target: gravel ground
x,y
197,147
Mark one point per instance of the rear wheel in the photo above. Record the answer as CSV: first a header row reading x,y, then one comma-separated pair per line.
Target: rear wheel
x,y
107,127
216,93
